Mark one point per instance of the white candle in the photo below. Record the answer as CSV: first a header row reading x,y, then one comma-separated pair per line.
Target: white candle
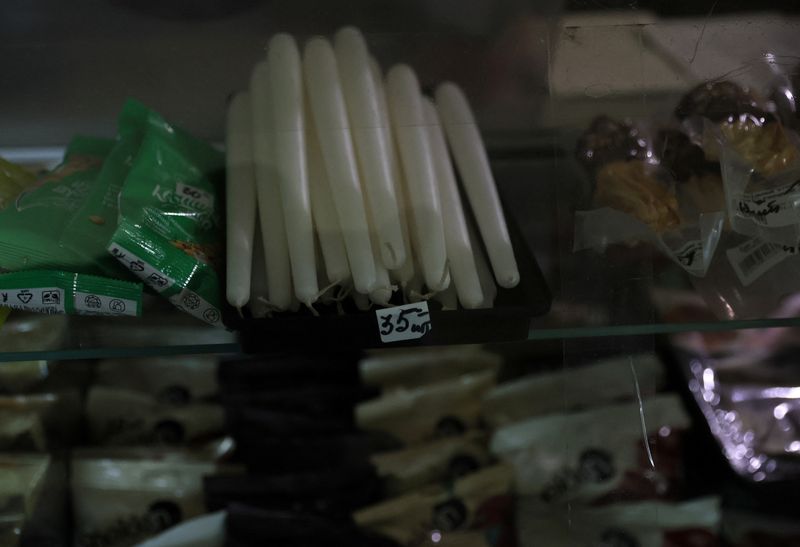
x,y
405,271
362,301
456,237
240,199
332,126
286,78
270,210
488,288
408,122
259,289
473,165
326,222
381,292
373,142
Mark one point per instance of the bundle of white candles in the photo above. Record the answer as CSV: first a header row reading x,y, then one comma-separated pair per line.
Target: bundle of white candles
x,y
339,181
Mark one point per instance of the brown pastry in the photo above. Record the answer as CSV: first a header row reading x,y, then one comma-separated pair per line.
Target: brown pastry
x,y
765,146
628,186
719,102
608,140
680,156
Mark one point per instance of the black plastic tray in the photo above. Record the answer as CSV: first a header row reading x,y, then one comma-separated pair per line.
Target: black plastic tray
x,y
509,320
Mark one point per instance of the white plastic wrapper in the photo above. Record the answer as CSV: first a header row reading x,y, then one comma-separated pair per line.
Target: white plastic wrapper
x,y
691,246
420,414
623,378
597,455
642,524
415,367
121,417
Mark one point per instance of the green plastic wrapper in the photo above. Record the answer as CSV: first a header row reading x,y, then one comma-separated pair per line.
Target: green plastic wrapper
x,y
51,292
169,231
32,229
13,181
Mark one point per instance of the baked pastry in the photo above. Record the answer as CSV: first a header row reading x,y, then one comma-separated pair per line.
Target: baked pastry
x,y
630,187
607,140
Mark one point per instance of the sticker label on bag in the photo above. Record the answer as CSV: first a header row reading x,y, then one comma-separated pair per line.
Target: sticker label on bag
x,y
754,258
141,269
102,304
408,322
49,300
192,303
772,208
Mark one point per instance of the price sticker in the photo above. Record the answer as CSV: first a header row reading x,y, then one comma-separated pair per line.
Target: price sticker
x,y
407,322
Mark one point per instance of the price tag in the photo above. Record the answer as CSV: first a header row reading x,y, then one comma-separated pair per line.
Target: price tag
x,y
407,322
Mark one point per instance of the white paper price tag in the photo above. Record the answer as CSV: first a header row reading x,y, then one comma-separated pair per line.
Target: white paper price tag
x,y
407,322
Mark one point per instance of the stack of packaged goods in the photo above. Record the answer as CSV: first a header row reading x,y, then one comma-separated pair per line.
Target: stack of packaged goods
x,y
40,411
713,187
152,432
441,485
596,466
143,206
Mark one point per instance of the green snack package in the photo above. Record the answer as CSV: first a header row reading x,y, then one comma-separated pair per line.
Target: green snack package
x,y
87,234
13,181
51,292
31,229
169,232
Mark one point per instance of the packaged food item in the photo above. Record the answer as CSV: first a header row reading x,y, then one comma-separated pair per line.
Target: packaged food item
x,y
205,531
170,380
437,410
118,503
599,455
13,181
416,367
117,416
37,421
32,332
440,461
624,377
54,292
21,376
24,475
477,510
642,524
91,227
22,431
649,188
32,230
169,232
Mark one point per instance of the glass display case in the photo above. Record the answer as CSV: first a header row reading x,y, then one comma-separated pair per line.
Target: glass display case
x,y
485,272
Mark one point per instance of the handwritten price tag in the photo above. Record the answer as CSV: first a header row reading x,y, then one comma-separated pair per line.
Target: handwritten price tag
x,y
407,322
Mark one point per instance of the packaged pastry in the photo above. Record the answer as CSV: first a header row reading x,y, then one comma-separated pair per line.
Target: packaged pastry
x,y
121,417
437,462
476,511
692,523
119,503
597,456
625,377
416,367
759,155
638,196
420,414
170,380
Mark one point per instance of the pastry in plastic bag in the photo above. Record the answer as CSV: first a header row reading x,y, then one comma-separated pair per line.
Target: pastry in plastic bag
x,y
632,188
